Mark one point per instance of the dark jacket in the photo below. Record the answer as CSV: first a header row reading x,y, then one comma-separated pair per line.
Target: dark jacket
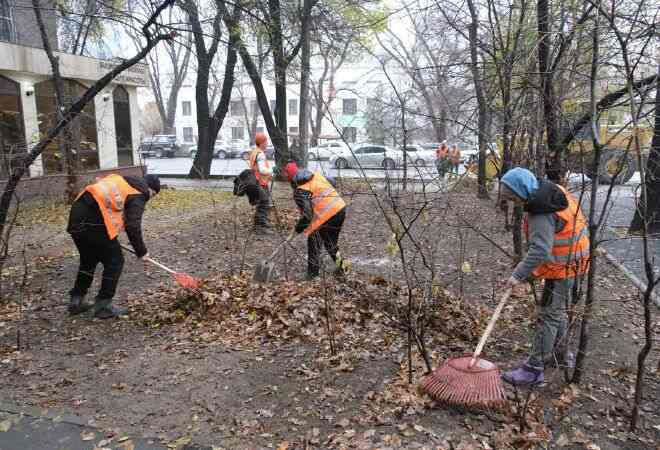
x,y
303,198
542,223
246,184
86,217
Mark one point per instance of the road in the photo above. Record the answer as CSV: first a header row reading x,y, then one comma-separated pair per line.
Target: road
x,y
232,167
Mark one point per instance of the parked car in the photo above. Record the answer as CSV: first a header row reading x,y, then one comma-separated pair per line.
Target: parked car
x,y
220,151
238,148
369,155
419,156
327,151
159,146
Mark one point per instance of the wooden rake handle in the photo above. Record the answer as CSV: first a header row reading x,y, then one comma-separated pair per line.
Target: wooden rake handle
x,y
489,328
152,261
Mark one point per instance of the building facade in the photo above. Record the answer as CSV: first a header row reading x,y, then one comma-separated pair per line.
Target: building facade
x,y
345,114
104,136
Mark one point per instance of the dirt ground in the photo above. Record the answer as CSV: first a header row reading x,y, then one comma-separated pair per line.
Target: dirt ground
x,y
251,366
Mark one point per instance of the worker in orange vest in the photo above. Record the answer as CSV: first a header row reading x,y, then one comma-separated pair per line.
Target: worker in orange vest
x,y
441,159
322,215
455,157
99,213
558,253
263,172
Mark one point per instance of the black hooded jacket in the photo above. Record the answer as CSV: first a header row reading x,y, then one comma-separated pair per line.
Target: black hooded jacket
x,y
86,217
303,198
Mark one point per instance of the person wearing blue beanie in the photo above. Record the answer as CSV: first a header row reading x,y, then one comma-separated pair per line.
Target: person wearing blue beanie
x,y
558,253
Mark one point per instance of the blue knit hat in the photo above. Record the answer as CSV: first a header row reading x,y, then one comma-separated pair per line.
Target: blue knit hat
x,y
521,181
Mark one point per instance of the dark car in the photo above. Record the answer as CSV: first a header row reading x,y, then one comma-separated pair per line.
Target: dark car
x,y
159,146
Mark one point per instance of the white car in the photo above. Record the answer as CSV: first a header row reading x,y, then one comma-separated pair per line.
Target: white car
x,y
369,155
419,156
327,151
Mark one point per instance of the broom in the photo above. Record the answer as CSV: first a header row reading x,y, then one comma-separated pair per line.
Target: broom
x,y
468,380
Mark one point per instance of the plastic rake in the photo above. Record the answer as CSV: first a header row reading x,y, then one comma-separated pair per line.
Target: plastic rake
x,y
469,381
185,280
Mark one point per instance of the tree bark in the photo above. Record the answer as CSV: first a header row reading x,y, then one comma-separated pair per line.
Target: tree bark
x,y
303,127
648,210
482,106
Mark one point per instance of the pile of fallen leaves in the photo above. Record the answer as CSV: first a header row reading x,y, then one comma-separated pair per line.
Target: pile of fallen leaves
x,y
355,313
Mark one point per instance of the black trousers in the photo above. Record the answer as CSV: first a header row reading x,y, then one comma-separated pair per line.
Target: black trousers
x,y
328,236
96,247
263,205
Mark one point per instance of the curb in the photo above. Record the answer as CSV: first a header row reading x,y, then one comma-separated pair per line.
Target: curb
x,y
639,284
45,414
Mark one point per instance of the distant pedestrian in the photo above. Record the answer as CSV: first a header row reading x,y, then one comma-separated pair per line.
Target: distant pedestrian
x,y
442,160
455,158
260,166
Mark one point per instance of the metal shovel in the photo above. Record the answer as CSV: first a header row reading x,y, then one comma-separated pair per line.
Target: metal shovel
x,y
265,270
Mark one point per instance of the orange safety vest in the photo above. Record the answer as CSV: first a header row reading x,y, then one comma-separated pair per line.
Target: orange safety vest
x,y
110,193
456,156
570,250
326,202
262,179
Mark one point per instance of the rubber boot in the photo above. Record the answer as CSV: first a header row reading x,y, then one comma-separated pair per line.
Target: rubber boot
x,y
103,309
524,375
77,305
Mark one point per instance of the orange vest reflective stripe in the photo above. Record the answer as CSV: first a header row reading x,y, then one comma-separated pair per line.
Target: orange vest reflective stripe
x,y
570,250
326,202
110,193
263,180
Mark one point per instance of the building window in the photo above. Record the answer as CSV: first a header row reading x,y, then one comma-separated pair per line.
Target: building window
x,y
6,21
123,134
237,133
349,106
12,141
259,130
293,130
350,134
84,142
236,108
254,107
293,107
187,108
187,134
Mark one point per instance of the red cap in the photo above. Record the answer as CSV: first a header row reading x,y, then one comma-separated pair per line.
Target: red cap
x,y
290,170
260,138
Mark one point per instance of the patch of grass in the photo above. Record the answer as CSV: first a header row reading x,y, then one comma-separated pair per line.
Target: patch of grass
x,y
56,212
40,212
188,199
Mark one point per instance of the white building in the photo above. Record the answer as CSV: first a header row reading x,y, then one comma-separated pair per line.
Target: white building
x,y
105,135
350,94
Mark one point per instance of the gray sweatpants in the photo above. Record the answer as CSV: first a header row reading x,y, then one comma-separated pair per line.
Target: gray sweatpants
x,y
551,320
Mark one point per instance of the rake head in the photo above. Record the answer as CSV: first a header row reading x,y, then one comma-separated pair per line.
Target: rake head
x,y
187,281
456,383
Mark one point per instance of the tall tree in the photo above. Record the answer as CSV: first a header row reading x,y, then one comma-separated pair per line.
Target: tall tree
x,y
209,124
168,65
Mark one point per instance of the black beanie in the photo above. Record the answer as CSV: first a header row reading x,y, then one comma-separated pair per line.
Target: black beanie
x,y
153,182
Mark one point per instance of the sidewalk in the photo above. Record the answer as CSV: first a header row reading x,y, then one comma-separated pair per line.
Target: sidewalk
x,y
33,429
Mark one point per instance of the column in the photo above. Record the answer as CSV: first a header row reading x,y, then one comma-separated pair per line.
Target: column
x,y
105,129
135,121
31,124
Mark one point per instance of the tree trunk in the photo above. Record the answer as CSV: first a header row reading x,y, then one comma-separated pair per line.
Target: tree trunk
x,y
280,64
303,127
554,169
648,212
482,107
